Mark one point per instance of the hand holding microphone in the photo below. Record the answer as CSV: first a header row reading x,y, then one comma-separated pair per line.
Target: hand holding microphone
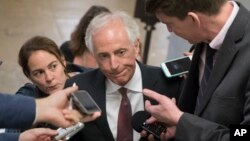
x,y
139,124
165,111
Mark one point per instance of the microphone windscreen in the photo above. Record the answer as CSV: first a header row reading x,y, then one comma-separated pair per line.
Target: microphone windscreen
x,y
138,119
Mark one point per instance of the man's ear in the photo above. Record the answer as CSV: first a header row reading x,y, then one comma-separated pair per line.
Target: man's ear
x,y
194,18
138,46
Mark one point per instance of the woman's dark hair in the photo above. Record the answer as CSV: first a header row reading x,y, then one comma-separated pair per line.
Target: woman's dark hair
x,y
34,44
77,41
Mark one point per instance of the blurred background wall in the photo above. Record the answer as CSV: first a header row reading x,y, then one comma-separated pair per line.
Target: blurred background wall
x,y
56,19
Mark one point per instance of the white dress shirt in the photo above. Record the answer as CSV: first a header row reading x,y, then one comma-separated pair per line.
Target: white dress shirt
x,y
113,100
219,38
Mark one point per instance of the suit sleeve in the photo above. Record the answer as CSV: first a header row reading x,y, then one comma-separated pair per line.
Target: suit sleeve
x,y
16,111
9,137
194,128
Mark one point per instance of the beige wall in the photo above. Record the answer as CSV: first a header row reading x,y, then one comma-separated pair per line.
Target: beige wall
x,y
22,19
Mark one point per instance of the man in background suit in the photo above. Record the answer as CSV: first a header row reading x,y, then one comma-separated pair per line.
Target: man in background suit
x,y
113,38
205,114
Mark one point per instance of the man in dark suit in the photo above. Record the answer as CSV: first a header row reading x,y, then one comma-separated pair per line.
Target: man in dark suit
x,y
114,40
205,110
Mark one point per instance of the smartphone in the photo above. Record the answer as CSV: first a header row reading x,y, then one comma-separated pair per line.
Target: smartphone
x,y
67,133
176,67
84,102
155,129
139,124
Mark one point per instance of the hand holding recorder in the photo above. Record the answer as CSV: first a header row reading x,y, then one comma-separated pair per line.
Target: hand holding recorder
x,y
89,111
84,102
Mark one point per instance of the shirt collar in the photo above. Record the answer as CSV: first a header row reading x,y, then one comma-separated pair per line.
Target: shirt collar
x,y
134,84
218,40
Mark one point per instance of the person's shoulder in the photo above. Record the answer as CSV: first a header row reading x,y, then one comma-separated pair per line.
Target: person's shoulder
x,y
83,79
28,89
157,73
87,76
153,68
149,68
77,68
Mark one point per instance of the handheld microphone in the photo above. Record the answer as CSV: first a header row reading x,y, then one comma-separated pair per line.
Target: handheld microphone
x,y
139,124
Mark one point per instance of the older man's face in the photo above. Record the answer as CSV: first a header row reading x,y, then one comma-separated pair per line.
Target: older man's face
x,y
115,55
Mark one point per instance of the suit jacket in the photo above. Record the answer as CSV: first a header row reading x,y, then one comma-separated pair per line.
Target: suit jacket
x,y
16,112
227,99
94,82
9,136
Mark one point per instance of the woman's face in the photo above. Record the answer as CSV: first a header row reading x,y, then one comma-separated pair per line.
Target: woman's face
x,y
46,71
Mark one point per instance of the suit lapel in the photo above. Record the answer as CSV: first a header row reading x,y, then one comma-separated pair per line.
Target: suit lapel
x,y
225,55
99,95
224,58
147,82
187,99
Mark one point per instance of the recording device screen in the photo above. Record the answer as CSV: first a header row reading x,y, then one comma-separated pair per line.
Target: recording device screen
x,y
176,67
139,124
85,102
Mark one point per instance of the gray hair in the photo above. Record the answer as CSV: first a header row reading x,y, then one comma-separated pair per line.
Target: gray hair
x,y
101,20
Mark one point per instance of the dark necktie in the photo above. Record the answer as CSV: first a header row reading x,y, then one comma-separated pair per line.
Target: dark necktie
x,y
124,129
207,70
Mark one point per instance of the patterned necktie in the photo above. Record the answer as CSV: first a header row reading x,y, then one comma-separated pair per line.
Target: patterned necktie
x,y
207,70
124,129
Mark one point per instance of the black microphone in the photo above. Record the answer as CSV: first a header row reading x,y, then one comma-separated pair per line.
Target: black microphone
x,y
139,124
